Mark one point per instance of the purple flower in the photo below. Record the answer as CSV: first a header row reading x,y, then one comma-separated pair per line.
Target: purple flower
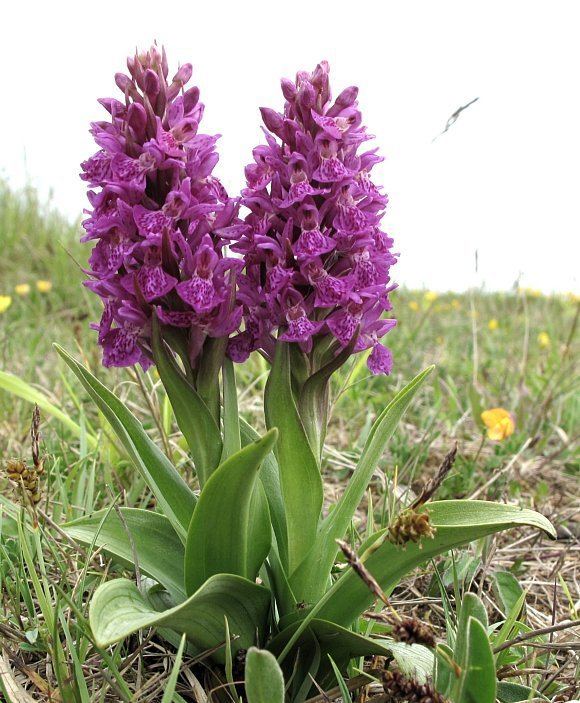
x,y
317,264
154,211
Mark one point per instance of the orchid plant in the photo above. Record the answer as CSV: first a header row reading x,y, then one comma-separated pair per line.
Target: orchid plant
x,y
191,287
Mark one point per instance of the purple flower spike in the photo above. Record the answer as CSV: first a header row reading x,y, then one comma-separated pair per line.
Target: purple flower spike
x,y
317,264
155,208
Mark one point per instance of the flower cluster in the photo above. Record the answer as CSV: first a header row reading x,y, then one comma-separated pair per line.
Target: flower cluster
x,y
316,260
155,207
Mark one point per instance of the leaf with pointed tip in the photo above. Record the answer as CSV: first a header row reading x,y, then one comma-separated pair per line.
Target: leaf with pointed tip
x,y
218,541
196,422
263,677
457,522
159,550
310,579
174,496
299,471
118,609
270,479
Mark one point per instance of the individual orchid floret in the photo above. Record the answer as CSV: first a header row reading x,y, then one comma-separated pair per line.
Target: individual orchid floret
x,y
317,264
154,211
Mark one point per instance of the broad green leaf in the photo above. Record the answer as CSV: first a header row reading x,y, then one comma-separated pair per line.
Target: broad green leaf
x,y
270,479
218,541
16,386
310,579
118,609
471,607
263,677
477,683
507,590
199,428
457,522
231,415
159,550
299,471
174,496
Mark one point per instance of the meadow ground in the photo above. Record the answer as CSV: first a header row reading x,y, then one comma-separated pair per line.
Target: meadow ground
x,y
514,350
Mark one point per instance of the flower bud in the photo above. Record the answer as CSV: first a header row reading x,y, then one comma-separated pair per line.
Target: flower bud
x,y
183,75
124,83
151,84
273,121
288,89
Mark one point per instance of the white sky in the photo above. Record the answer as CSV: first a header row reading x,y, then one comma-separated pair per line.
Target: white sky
x,y
504,180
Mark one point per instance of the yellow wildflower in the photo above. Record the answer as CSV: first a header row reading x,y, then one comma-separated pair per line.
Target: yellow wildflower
x,y
43,286
493,324
414,305
499,422
430,296
544,340
22,289
5,302
456,304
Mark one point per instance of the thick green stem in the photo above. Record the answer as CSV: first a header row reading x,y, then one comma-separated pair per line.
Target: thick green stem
x,y
208,385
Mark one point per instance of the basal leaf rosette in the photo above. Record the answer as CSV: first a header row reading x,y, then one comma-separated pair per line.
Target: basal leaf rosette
x,y
154,210
317,263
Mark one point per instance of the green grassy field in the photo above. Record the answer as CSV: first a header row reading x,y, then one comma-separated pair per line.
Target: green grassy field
x,y
515,350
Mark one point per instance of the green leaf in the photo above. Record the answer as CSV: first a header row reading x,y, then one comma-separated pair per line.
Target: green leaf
x,y
344,692
118,609
169,692
313,398
508,692
232,440
174,496
343,645
199,428
507,590
444,673
477,683
16,386
509,623
218,538
263,677
311,578
270,479
457,522
299,471
159,550
471,607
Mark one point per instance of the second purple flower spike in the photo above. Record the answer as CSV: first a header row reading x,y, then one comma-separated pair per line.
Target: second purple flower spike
x,y
316,260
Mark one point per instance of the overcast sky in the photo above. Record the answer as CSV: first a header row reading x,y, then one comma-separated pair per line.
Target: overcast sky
x,y
503,180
